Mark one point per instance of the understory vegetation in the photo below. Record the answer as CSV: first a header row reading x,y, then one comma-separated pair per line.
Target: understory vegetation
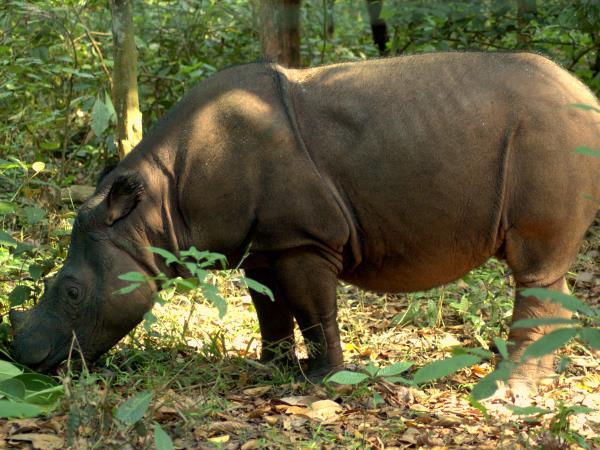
x,y
189,377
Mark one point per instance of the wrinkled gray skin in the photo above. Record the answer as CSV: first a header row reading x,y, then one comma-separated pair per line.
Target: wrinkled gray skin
x,y
395,175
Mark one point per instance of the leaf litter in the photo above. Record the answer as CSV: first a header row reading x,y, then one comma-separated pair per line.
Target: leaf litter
x,y
207,395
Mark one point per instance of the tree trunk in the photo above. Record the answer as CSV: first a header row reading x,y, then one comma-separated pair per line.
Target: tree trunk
x,y
526,10
280,31
125,90
378,26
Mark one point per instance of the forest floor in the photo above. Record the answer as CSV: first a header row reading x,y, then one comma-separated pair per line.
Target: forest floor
x,y
208,391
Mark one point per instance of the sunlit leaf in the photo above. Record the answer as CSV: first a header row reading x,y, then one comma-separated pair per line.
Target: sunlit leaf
x,y
394,369
259,287
347,377
38,166
167,255
8,370
445,367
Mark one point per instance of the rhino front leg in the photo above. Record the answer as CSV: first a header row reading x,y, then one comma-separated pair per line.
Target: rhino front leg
x,y
534,370
308,282
274,318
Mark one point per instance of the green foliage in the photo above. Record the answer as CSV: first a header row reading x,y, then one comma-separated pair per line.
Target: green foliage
x,y
134,408
197,263
26,394
162,441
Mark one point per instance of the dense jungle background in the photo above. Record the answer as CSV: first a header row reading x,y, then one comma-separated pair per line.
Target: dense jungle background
x,y
188,376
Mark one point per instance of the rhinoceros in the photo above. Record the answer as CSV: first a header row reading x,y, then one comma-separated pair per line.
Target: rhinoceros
x,y
394,175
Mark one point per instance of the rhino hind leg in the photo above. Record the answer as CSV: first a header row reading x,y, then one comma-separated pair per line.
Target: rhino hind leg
x,y
539,254
534,370
275,320
308,282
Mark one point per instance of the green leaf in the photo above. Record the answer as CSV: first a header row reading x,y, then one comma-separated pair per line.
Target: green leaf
x,y
588,151
347,377
487,385
259,287
8,370
34,215
40,389
399,379
371,369
128,289
149,320
19,295
591,336
584,106
211,293
394,369
12,389
445,367
530,323
549,342
6,208
133,276
10,409
46,396
528,410
167,255
162,441
37,271
100,117
194,253
481,352
502,347
134,408
567,301
7,240
183,285
46,145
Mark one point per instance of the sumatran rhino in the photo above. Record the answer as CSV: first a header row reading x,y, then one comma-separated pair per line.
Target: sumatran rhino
x,y
395,175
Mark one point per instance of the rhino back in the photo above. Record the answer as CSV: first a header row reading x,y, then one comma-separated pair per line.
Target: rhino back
x,y
437,155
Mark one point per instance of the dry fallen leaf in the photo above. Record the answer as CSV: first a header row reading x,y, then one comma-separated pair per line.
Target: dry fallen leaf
x,y
300,400
229,426
40,441
257,391
219,439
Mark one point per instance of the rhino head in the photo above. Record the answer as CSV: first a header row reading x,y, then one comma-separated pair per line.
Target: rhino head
x,y
82,299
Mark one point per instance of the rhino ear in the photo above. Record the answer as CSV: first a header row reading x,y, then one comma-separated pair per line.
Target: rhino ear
x,y
125,192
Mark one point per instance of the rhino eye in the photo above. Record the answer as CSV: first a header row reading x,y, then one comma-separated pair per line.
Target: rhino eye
x,y
73,293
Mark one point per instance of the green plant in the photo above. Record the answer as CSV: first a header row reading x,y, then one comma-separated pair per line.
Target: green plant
x,y
370,374
26,394
559,428
197,263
